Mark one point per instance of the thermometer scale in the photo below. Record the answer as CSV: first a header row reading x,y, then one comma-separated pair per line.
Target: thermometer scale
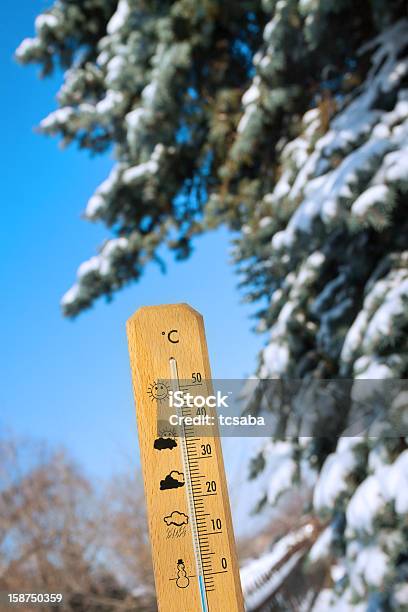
x,y
194,557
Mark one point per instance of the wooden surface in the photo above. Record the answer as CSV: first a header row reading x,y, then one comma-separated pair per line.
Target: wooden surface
x,y
155,335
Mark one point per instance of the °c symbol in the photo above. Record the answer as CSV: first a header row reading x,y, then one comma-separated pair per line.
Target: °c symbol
x,y
172,336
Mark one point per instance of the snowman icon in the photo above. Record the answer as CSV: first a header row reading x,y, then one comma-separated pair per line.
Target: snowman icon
x,y
182,580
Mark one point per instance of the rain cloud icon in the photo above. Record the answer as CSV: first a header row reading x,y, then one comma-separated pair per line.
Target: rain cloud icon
x,y
176,518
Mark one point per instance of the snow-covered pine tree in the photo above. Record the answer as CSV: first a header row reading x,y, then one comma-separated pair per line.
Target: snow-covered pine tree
x,y
331,240
327,248
158,80
286,120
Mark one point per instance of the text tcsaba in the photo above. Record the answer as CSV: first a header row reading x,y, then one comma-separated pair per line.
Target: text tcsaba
x,y
206,420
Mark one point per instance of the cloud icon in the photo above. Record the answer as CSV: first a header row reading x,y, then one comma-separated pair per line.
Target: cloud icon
x,y
172,481
176,518
162,443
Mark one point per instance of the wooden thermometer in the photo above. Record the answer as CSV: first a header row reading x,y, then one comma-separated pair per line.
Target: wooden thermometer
x,y
194,557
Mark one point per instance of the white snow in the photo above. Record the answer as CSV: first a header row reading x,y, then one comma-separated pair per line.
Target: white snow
x,y
323,601
269,30
281,189
281,239
311,115
138,174
253,93
373,563
71,295
354,336
322,547
104,193
366,503
135,121
114,69
337,571
401,594
26,47
95,204
342,603
282,479
358,140
119,18
250,115
111,103
397,483
396,164
366,368
102,264
332,481
393,306
320,191
111,249
44,22
382,313
115,245
265,221
141,172
275,360
261,577
57,118
369,198
89,267
388,484
150,93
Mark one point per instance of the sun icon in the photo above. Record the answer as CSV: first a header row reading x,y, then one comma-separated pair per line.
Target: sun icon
x,y
167,433
158,390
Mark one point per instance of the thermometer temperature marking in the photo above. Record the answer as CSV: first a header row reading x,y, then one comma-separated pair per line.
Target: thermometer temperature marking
x,y
189,518
190,492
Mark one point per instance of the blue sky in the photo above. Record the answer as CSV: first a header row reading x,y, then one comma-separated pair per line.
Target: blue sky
x,y
68,381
